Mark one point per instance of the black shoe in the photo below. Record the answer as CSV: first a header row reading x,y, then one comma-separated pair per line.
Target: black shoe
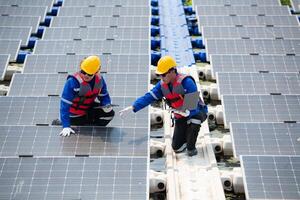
x,y
192,152
181,149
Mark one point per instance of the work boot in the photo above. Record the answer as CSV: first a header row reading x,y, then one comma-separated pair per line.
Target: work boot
x,y
181,149
192,152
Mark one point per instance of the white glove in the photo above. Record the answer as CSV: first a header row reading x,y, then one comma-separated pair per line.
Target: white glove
x,y
66,132
126,111
185,113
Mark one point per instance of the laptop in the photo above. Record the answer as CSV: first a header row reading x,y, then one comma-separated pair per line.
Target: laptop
x,y
190,101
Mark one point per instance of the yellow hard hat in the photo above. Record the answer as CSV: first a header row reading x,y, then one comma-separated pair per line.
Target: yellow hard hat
x,y
91,64
164,64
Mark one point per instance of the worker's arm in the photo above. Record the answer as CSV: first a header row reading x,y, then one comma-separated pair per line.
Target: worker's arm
x,y
67,97
104,97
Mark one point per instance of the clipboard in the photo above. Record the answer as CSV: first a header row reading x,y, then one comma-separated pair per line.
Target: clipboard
x,y
190,101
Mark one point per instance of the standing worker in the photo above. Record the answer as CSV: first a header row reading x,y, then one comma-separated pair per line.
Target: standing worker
x,y
85,99
173,86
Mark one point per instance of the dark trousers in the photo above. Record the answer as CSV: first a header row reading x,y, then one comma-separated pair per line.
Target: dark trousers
x,y
186,131
95,117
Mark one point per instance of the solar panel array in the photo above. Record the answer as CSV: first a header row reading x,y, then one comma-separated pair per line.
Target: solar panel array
x,y
97,162
253,49
15,33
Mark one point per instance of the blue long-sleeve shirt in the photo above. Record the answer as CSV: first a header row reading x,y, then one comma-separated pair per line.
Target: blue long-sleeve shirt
x,y
69,93
156,94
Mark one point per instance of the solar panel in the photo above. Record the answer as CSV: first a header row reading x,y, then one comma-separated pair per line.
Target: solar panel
x,y
242,10
236,2
97,3
254,63
17,21
24,11
10,47
70,63
93,47
252,46
271,177
258,83
4,59
250,32
128,21
43,110
295,5
248,21
96,33
74,178
91,141
17,3
104,11
15,33
265,138
261,108
127,85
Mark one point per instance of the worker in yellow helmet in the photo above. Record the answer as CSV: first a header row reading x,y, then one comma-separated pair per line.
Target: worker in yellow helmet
x,y
173,87
85,99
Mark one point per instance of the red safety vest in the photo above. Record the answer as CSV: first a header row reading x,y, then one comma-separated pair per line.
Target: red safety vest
x,y
86,95
176,96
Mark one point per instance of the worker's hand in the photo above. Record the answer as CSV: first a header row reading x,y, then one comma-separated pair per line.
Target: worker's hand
x,y
126,111
185,113
66,132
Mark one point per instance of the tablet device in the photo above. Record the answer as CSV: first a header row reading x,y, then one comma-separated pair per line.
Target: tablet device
x,y
190,101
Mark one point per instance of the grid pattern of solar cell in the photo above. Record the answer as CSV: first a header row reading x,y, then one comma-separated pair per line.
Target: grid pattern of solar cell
x,y
258,83
250,32
92,141
265,138
271,177
104,11
253,46
15,33
96,33
97,3
10,47
248,21
70,63
93,46
73,178
17,21
4,59
261,108
254,63
237,2
242,10
126,85
296,5
17,3
43,110
123,21
24,11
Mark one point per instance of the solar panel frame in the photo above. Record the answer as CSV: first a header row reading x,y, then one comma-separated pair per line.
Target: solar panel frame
x,y
70,63
252,46
103,21
16,33
258,83
17,21
265,138
118,84
295,5
254,63
48,3
43,110
236,2
24,11
247,21
115,3
96,33
260,108
271,177
139,47
241,10
11,47
4,60
74,178
104,11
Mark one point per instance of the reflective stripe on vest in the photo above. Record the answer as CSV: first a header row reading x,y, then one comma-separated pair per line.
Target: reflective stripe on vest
x,y
86,95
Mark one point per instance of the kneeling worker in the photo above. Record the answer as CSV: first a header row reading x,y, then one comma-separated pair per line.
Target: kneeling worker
x,y
85,99
173,86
